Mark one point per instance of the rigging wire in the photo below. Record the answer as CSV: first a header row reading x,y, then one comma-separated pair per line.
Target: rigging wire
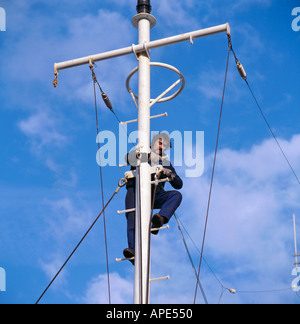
x,y
182,225
244,76
120,185
178,220
100,169
108,103
272,132
213,172
224,288
263,291
190,258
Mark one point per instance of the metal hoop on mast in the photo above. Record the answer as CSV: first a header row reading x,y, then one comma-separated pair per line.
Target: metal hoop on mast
x,y
161,97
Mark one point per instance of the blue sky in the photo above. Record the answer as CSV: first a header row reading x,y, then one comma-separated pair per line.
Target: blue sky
x,y
50,187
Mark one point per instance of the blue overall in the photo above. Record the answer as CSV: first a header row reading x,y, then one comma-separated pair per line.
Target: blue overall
x,y
166,201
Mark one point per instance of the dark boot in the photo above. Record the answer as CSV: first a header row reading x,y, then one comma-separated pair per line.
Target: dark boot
x,y
157,222
129,254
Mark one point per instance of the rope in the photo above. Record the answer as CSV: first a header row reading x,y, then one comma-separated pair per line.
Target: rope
x,y
120,185
101,178
213,171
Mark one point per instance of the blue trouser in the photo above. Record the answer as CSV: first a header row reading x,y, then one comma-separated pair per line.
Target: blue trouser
x,y
166,201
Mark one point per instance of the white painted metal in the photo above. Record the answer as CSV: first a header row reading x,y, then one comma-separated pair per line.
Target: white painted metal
x,y
160,228
126,210
138,17
159,279
143,189
124,259
160,98
141,47
152,117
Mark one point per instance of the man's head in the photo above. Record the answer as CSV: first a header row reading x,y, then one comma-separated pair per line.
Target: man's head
x,y
160,143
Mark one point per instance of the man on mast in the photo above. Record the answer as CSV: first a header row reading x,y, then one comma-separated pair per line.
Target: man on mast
x,y
166,201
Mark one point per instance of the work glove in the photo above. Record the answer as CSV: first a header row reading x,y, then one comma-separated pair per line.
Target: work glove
x,y
168,173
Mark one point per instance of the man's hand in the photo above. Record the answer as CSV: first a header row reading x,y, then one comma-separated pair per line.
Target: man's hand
x,y
168,173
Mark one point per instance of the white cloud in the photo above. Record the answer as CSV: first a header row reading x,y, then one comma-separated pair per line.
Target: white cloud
x,y
67,215
211,83
31,57
66,219
69,179
175,13
249,229
242,5
51,267
41,129
97,290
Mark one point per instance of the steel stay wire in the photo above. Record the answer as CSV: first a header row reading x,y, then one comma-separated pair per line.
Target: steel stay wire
x,y
108,103
109,106
182,225
213,170
272,132
215,155
190,257
224,288
101,178
263,115
120,185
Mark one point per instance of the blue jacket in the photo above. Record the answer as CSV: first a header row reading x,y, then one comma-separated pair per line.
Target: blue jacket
x,y
176,181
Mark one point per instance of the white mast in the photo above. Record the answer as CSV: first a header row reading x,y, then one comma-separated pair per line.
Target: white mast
x,y
144,21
